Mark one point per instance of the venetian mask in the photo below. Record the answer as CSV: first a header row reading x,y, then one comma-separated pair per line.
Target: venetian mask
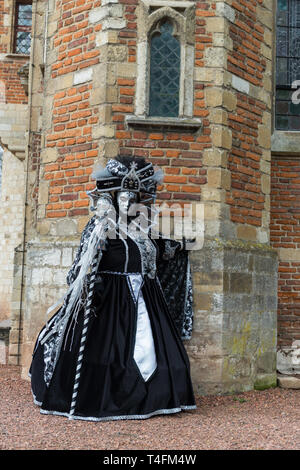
x,y
104,204
125,199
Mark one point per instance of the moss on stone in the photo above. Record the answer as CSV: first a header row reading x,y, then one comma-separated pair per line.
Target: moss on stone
x,y
265,381
243,244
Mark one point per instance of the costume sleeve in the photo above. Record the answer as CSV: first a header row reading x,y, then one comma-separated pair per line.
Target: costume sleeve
x,y
168,248
72,274
174,273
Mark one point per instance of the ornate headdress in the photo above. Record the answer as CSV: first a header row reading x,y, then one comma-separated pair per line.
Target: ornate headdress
x,y
123,174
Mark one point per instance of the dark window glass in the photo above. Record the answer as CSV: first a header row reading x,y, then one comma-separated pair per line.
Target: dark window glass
x,y
164,72
23,25
287,64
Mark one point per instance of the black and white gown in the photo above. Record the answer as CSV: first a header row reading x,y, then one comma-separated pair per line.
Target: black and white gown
x,y
134,363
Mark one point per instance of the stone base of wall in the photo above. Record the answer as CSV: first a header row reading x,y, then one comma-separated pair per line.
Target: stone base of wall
x,y
47,265
288,359
233,348
289,381
16,314
4,341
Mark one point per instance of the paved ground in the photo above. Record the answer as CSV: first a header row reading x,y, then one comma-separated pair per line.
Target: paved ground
x,y
253,420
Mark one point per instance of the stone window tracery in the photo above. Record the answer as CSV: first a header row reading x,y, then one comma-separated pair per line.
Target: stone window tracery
x,y
165,59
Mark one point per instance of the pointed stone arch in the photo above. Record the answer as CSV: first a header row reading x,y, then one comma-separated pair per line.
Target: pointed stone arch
x,y
150,13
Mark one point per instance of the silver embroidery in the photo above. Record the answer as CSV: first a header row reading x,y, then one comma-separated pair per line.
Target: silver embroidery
x,y
147,253
187,326
116,168
165,411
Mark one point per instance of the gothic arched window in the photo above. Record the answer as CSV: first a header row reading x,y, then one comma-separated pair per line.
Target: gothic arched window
x,y
164,83
165,63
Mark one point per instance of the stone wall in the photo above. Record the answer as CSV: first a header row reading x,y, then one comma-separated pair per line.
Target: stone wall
x,y
11,225
89,102
233,347
14,123
4,340
46,270
13,126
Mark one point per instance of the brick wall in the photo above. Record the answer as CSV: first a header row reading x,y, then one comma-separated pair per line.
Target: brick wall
x,y
285,236
75,116
179,154
247,62
14,91
246,198
9,66
73,113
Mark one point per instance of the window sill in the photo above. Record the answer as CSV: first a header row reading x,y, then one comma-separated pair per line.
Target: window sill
x,y
285,142
13,55
164,123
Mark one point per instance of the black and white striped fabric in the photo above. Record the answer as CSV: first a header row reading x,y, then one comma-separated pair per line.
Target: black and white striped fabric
x,y
87,313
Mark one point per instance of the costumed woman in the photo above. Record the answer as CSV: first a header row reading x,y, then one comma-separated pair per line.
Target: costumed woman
x,y
114,348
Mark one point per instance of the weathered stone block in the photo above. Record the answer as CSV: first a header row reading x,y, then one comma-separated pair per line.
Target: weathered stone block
x,y
221,137
215,24
126,70
116,53
98,14
288,359
285,381
215,56
266,363
240,282
106,37
213,96
229,100
83,76
240,84
264,381
103,131
264,136
225,11
113,23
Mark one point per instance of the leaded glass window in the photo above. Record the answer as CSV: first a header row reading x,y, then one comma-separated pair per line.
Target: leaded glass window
x,y
287,64
23,23
164,71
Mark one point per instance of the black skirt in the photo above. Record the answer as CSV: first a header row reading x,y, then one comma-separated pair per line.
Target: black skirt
x,y
111,385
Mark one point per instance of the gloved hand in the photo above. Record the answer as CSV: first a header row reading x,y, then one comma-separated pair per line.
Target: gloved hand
x,y
188,243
